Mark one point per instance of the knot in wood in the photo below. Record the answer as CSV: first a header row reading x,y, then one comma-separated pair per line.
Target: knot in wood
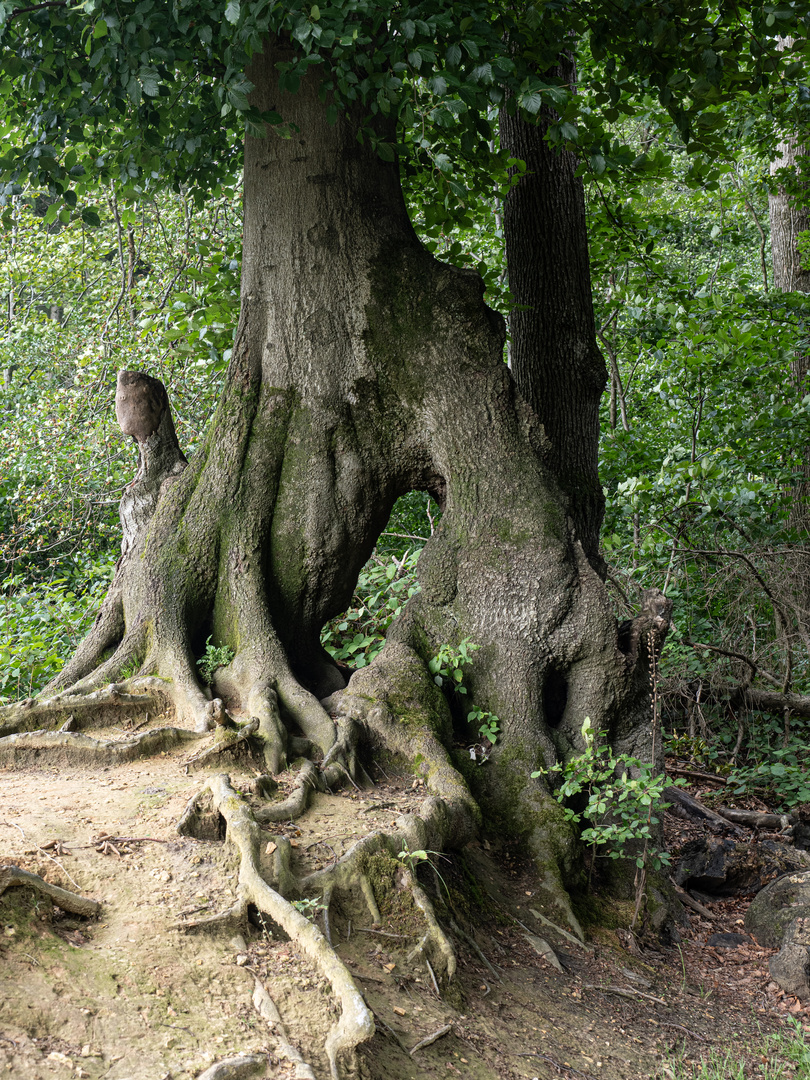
x,y
140,402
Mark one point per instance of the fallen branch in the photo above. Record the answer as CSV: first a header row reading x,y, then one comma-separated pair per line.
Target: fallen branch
x,y
680,770
690,901
77,905
685,805
755,819
442,1031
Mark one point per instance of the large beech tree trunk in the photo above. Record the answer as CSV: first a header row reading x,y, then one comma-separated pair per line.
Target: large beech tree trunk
x,y
364,368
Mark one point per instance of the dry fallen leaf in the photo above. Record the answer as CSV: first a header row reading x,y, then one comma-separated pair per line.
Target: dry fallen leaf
x,y
271,847
397,1010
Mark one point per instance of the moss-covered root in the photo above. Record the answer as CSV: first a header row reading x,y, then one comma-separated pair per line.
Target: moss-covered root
x,y
228,739
405,713
551,842
356,1023
67,901
27,747
434,942
349,875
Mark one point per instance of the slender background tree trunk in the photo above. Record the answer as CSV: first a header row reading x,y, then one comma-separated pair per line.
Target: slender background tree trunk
x,y
556,361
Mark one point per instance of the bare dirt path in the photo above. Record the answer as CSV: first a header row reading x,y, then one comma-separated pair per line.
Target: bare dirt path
x,y
130,996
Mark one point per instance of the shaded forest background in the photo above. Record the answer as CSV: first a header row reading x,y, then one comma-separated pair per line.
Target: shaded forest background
x,y
705,429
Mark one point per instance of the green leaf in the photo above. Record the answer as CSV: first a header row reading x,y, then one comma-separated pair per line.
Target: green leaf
x,y
150,80
233,11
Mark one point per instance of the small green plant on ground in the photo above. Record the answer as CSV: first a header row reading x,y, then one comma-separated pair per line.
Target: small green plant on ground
x,y
413,859
623,797
761,758
310,906
215,656
384,586
782,1056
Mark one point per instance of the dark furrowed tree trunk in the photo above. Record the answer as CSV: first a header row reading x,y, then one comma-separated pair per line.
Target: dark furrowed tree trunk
x,y
363,368
556,362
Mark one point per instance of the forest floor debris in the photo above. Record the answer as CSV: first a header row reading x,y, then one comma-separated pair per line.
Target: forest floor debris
x,y
129,996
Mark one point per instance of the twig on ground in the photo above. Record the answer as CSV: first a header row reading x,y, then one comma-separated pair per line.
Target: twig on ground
x,y
442,1031
381,933
558,1065
474,946
433,978
690,901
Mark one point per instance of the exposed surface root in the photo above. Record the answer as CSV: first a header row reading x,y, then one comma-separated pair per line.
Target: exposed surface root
x,y
297,801
434,944
227,740
284,1049
356,1023
239,1067
27,746
94,709
350,874
67,901
262,703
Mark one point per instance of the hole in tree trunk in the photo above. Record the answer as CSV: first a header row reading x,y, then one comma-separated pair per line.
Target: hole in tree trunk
x,y
555,696
385,583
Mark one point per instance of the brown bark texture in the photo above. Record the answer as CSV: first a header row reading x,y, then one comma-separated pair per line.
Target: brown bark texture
x,y
364,368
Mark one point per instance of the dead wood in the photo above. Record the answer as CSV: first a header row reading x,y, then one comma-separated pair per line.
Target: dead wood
x,y
754,819
695,905
432,1038
685,805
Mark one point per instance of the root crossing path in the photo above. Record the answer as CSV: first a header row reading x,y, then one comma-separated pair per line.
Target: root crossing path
x,y
227,923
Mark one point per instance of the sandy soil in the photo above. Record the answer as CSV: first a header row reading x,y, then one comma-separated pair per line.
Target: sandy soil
x,y
130,996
